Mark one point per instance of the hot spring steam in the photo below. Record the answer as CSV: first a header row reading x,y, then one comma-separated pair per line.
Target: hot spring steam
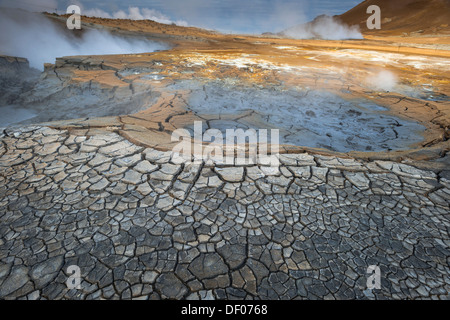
x,y
36,38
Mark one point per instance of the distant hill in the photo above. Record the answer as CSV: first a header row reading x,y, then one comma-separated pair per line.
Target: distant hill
x,y
398,17
403,16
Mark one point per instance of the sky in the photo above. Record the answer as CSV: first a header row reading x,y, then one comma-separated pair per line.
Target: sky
x,y
229,16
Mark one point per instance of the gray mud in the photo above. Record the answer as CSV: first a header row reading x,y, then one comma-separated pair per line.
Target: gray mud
x,y
316,119
28,96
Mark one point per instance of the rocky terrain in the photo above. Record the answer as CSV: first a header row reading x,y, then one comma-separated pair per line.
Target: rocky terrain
x,y
87,176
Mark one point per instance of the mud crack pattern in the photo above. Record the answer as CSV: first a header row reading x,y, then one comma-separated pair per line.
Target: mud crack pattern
x,y
141,227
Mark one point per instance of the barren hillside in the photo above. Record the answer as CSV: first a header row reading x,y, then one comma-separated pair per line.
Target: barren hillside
x,y
403,17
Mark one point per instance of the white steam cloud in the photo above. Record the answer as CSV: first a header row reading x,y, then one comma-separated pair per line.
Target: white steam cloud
x,y
324,27
36,38
383,81
134,13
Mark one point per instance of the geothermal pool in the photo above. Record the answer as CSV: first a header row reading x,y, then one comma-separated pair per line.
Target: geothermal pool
x,y
316,119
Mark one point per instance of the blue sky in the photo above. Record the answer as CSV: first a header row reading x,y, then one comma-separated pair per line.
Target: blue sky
x,y
237,16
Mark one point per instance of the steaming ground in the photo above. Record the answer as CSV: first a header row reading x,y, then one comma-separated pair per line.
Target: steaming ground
x,y
34,37
305,117
25,99
342,99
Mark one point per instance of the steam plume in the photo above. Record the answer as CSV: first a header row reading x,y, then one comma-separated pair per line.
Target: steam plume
x,y
134,13
36,38
324,27
383,81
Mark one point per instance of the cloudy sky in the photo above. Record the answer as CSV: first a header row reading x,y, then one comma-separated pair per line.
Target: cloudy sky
x,y
237,16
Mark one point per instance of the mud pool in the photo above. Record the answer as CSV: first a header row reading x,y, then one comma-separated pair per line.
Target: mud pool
x,y
315,119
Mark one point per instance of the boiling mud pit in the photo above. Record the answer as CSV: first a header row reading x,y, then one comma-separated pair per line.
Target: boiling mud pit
x,y
316,119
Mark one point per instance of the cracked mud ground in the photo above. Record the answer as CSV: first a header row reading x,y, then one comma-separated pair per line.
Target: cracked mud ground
x,y
141,227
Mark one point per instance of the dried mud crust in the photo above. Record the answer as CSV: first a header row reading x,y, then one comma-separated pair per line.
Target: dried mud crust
x,y
142,227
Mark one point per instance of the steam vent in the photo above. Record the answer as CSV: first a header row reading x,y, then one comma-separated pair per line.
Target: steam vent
x,y
147,159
